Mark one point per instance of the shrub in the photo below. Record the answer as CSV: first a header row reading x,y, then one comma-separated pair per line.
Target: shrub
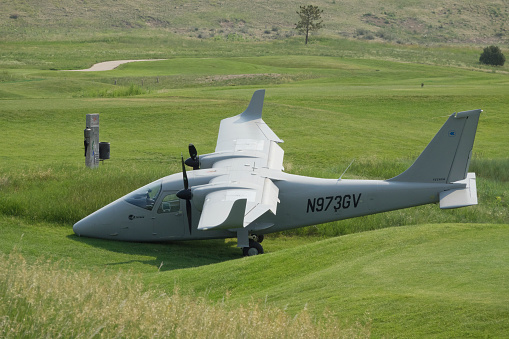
x,y
492,55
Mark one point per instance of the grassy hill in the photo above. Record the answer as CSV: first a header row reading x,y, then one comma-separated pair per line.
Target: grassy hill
x,y
438,21
447,280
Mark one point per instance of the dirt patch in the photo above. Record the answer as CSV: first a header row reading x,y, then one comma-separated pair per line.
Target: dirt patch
x,y
375,20
239,76
413,25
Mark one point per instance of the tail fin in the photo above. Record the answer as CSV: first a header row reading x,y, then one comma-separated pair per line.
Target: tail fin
x,y
254,110
447,156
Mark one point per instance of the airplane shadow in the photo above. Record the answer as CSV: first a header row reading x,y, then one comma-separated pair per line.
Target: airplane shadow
x,y
169,255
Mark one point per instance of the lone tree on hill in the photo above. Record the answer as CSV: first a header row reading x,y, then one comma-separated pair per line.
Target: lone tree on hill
x,y
309,16
492,55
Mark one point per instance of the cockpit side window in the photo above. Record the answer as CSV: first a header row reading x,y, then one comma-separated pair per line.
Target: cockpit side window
x,y
146,196
169,204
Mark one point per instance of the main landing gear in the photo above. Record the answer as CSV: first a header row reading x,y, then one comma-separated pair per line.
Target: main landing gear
x,y
255,247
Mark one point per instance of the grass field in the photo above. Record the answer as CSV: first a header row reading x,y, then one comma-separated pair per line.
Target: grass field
x,y
442,274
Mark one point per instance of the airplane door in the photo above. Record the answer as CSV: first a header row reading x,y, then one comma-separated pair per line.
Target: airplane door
x,y
168,221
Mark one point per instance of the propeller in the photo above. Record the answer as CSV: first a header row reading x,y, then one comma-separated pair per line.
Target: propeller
x,y
193,161
186,194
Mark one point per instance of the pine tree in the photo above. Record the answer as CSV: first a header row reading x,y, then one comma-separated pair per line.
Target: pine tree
x,y
309,16
492,55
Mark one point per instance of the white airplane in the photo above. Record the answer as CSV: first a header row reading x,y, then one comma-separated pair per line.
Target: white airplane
x,y
241,191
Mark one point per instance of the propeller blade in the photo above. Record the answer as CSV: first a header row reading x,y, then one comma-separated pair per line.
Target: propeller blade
x,y
193,161
184,174
187,195
189,213
192,151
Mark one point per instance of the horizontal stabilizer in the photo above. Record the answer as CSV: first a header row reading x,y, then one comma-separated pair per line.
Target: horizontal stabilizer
x,y
460,197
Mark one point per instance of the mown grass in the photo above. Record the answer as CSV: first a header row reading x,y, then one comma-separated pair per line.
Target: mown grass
x,y
443,280
83,53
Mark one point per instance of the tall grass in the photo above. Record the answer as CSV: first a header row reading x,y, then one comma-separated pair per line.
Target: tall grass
x,y
64,194
115,92
51,300
495,169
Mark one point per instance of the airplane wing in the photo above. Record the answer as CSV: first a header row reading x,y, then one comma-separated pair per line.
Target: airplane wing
x,y
246,137
247,150
247,128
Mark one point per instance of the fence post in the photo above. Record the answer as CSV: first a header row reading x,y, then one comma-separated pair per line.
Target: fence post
x,y
92,141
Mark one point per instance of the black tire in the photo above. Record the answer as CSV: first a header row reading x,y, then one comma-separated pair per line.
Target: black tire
x,y
258,238
253,249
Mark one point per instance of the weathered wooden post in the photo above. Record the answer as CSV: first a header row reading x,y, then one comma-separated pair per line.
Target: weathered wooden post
x,y
92,141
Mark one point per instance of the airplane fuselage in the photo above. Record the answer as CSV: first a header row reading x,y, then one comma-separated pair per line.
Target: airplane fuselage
x,y
304,201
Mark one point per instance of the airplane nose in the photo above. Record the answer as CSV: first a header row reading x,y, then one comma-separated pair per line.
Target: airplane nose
x,y
86,227
106,222
79,227
97,224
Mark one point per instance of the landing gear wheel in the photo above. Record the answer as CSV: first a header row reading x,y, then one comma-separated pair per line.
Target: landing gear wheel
x,y
253,249
258,238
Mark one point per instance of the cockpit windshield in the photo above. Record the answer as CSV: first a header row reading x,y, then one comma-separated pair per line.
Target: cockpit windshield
x,y
146,196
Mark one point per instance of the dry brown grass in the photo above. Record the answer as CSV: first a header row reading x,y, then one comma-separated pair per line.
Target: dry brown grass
x,y
442,21
46,299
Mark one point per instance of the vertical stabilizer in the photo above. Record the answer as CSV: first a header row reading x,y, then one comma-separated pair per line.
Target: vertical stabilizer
x,y
447,156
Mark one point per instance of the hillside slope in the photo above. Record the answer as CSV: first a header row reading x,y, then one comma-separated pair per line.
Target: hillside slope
x,y
442,21
446,280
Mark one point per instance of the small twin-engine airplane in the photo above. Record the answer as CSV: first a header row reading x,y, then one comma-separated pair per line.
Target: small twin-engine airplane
x,y
241,191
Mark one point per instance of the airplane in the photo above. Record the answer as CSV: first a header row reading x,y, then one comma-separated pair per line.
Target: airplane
x,y
241,191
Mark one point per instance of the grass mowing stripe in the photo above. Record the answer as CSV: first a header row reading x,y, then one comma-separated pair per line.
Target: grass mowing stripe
x,y
444,280
447,279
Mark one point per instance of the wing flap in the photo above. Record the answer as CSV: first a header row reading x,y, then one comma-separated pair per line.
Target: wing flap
x,y
275,158
269,201
237,208
225,209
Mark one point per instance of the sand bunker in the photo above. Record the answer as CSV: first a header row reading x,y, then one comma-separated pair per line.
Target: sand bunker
x,y
110,65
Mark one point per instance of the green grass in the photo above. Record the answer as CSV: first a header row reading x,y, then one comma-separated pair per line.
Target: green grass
x,y
423,276
444,280
442,274
37,304
369,110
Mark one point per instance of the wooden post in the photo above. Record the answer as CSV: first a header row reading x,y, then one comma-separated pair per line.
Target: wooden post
x,y
92,141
